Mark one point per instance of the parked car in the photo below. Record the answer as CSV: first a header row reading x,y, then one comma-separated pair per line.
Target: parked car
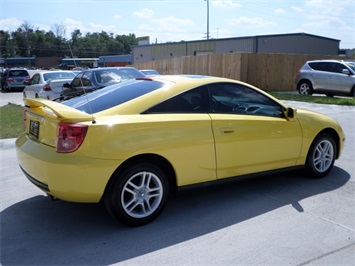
x,y
53,89
47,84
14,78
331,77
130,144
150,72
96,78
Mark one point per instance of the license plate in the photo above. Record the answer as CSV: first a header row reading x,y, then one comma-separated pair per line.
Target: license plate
x,y
34,128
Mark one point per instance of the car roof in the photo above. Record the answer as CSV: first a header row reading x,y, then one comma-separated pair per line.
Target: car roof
x,y
107,68
53,71
326,61
17,69
189,79
170,86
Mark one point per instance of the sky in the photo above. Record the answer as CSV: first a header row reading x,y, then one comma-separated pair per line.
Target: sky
x,y
183,20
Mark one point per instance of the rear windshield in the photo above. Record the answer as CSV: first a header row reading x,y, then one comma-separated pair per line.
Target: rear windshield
x,y
18,73
113,95
58,75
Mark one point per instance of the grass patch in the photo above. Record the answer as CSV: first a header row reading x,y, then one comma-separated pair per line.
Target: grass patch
x,y
313,98
11,121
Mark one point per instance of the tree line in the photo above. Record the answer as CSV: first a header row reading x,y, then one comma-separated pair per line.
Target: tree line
x,y
28,42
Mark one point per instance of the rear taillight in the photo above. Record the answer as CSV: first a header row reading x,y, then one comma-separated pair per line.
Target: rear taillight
x,y
10,79
70,137
144,78
27,79
46,88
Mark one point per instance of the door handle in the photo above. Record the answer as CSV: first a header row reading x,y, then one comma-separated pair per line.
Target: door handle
x,y
226,130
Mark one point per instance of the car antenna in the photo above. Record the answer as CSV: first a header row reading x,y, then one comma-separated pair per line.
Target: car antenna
x,y
82,85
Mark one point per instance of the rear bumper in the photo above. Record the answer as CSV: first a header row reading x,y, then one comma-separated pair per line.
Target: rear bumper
x,y
37,183
70,177
11,86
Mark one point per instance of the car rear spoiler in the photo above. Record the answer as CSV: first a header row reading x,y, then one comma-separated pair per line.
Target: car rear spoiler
x,y
60,110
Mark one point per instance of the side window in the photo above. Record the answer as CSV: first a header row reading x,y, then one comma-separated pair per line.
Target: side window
x,y
231,98
315,66
87,78
77,80
35,79
192,101
338,68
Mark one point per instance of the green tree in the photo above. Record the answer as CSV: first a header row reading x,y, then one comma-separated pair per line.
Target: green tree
x,y
27,41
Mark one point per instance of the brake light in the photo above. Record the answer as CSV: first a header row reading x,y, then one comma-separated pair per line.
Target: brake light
x,y
46,88
143,78
27,79
10,79
70,137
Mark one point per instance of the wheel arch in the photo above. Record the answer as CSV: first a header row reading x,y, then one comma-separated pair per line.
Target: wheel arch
x,y
157,160
305,80
334,135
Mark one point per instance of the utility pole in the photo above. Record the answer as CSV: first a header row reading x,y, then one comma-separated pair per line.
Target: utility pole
x,y
208,20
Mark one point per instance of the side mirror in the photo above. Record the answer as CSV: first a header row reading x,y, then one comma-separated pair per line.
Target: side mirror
x,y
290,113
66,85
345,71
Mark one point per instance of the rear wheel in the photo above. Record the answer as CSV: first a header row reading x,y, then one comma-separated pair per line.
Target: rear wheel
x,y
305,87
138,194
321,156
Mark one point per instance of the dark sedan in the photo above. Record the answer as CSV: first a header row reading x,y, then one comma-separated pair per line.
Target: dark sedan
x,y
93,79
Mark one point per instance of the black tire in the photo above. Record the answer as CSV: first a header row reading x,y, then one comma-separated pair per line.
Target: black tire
x,y
352,93
137,195
321,156
304,87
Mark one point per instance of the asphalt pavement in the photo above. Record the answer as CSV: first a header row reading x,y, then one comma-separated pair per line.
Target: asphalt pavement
x,y
283,219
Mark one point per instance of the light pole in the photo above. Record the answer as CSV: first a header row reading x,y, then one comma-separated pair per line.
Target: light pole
x,y
208,20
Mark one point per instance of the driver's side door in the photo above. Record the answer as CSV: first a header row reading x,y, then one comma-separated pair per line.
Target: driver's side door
x,y
251,132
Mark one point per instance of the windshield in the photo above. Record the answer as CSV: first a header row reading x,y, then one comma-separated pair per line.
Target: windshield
x,y
351,65
107,76
113,95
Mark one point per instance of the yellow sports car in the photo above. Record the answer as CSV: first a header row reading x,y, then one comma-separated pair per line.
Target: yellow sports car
x,y
130,144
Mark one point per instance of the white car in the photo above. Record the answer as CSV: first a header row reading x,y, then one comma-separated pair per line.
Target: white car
x,y
47,84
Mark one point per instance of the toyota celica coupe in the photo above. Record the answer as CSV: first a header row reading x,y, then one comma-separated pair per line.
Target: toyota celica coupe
x,y
130,144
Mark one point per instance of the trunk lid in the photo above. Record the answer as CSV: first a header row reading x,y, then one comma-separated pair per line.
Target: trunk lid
x,y
42,118
56,85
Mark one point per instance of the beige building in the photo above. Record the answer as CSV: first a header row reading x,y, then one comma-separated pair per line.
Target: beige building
x,y
294,43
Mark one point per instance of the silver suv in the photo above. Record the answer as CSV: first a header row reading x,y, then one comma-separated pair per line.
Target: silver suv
x,y
331,77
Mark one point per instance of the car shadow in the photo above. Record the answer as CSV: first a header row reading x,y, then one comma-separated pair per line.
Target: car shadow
x,y
37,231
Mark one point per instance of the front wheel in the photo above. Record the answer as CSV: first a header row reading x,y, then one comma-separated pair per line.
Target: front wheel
x,y
138,195
321,156
352,93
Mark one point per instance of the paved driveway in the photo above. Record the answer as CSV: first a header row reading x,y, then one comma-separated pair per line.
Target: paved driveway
x,y
11,97
284,219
